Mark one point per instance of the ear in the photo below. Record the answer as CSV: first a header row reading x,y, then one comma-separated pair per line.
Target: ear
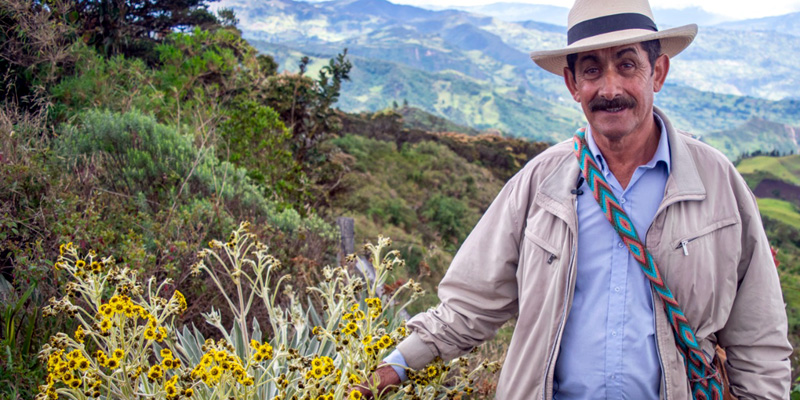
x,y
660,70
572,85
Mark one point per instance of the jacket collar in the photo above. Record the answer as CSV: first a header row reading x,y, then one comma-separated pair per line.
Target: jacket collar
x,y
684,181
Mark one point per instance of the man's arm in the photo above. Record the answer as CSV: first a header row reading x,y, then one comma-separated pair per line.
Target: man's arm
x,y
479,292
755,335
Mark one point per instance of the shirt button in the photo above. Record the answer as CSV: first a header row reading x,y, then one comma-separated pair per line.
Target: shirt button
x,y
616,289
613,333
619,244
622,200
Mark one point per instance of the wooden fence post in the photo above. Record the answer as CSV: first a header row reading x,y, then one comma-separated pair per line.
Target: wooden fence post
x,y
347,233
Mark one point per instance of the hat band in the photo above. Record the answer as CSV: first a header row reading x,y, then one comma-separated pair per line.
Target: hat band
x,y
609,23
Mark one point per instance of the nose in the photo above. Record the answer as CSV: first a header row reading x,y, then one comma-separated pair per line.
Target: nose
x,y
610,85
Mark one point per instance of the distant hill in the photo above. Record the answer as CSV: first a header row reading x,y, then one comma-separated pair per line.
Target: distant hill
x,y
518,12
784,24
414,118
757,134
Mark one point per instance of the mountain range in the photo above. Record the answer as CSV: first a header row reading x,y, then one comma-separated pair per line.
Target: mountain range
x,y
517,12
474,69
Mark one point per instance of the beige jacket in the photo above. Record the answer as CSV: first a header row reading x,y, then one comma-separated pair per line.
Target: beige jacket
x,y
725,282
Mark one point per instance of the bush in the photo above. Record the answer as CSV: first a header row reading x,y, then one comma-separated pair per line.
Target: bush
x,y
447,215
133,154
257,140
127,343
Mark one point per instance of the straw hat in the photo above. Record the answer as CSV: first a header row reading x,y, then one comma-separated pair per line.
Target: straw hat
x,y
597,24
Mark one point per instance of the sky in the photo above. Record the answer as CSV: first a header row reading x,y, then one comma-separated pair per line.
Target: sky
x,y
734,9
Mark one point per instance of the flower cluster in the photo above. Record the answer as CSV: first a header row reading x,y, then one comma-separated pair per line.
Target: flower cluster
x,y
261,351
219,365
128,346
71,370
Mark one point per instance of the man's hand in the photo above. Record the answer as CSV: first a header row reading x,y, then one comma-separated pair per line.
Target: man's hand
x,y
384,378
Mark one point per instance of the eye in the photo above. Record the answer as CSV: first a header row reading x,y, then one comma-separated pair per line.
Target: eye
x,y
591,72
627,65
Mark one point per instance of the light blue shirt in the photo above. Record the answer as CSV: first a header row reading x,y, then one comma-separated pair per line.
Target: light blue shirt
x,y
608,347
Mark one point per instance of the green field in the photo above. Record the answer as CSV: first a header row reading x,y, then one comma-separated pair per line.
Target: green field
x,y
756,169
780,210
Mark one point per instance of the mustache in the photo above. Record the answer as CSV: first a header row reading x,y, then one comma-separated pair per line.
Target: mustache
x,y
601,104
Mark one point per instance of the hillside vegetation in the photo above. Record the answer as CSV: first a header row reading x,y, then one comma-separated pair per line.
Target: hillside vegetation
x,y
151,148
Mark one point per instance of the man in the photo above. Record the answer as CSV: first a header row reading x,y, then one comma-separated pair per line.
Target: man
x,y
589,324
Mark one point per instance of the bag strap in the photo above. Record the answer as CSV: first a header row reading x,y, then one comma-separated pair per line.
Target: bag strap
x,y
703,377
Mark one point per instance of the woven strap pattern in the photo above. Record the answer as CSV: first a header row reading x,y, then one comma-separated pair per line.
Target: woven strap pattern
x,y
703,377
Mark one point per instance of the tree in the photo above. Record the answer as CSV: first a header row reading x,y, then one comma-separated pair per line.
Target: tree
x,y
132,27
305,104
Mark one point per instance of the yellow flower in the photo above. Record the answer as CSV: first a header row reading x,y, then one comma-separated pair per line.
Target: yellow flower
x,y
432,371
105,324
118,353
354,395
80,264
166,353
366,340
96,267
354,379
106,310
181,300
150,334
155,372
112,363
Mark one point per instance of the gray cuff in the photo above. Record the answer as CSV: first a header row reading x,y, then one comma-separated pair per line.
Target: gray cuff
x,y
416,352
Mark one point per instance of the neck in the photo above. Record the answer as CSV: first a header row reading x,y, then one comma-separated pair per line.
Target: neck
x,y
623,155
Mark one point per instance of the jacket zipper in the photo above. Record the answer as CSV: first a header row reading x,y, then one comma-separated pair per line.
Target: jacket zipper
x,y
560,323
572,261
684,243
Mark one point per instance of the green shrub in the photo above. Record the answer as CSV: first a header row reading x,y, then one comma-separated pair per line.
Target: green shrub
x,y
258,140
448,216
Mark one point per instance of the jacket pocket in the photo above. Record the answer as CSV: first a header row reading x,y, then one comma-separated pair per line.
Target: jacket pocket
x,y
550,252
685,242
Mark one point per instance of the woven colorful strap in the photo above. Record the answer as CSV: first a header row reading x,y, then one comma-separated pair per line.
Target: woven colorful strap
x,y
704,378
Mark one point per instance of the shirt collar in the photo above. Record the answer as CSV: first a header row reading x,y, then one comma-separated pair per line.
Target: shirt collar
x,y
662,153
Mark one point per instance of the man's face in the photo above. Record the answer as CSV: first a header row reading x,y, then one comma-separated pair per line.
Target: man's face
x,y
616,87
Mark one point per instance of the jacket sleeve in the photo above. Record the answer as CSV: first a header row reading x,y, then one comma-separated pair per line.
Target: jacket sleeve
x,y
755,335
479,291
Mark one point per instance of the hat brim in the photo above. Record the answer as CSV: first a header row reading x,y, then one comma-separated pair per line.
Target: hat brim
x,y
673,41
